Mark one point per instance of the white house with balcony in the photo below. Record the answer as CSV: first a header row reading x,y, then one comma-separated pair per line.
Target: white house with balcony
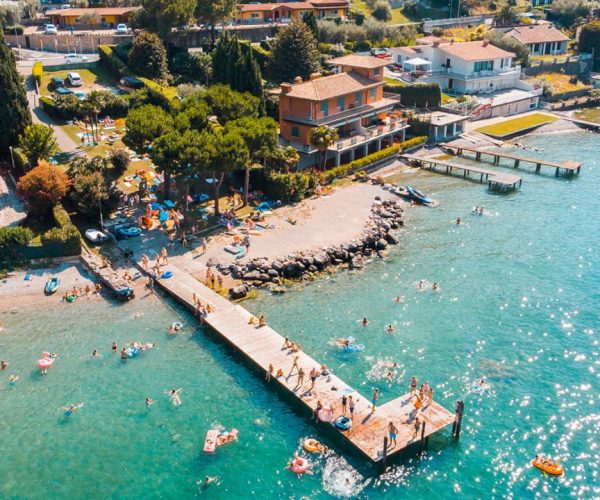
x,y
541,39
463,67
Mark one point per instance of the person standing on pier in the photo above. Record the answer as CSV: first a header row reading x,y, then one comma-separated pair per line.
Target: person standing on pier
x,y
344,404
314,373
269,373
417,427
392,432
294,365
351,405
164,255
374,399
413,385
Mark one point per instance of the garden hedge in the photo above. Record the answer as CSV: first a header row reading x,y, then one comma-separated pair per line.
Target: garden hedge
x,y
112,61
65,233
420,95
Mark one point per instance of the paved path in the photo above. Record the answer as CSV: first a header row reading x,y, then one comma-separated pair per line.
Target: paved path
x,y
12,209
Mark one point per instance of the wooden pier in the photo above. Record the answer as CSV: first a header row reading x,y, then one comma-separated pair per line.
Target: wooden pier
x,y
109,278
263,346
569,167
497,181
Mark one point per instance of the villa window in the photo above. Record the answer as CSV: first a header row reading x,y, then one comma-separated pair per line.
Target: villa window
x,y
340,103
376,71
483,66
358,97
324,108
536,48
295,132
373,94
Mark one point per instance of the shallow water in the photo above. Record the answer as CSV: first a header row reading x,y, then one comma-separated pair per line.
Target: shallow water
x,y
518,305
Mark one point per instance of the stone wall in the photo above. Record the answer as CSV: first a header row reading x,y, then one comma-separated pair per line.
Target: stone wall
x,y
573,65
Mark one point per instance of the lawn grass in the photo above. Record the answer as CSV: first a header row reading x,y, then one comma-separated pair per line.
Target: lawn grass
x,y
558,82
93,79
101,149
510,127
590,115
398,17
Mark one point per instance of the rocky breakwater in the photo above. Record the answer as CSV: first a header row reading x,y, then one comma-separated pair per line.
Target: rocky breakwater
x,y
386,218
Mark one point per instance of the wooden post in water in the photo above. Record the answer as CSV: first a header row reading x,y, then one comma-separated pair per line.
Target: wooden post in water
x,y
538,167
517,163
385,451
422,445
458,415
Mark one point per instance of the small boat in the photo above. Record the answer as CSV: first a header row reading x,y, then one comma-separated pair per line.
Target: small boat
x,y
548,466
129,232
52,285
124,294
95,236
210,442
417,196
243,251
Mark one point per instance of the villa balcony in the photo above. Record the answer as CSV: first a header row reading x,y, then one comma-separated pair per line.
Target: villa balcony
x,y
501,72
369,134
337,119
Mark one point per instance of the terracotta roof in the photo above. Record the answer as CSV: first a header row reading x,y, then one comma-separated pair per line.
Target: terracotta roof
x,y
321,4
357,61
428,40
538,34
331,86
102,11
475,51
266,7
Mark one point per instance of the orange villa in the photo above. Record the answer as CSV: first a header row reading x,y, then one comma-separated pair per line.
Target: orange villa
x,y
108,16
351,100
259,13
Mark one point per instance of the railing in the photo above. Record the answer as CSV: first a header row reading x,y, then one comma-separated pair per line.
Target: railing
x,y
355,112
371,132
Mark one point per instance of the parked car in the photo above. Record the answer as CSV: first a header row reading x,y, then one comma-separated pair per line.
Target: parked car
x,y
129,84
96,236
75,58
63,91
56,82
51,29
65,6
395,67
122,29
74,79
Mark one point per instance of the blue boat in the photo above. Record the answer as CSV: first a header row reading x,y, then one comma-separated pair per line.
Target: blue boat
x,y
124,294
52,285
129,232
417,196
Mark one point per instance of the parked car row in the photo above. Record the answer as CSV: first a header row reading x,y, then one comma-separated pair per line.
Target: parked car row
x,y
51,29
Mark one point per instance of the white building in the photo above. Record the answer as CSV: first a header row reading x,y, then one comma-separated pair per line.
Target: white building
x,y
541,39
467,67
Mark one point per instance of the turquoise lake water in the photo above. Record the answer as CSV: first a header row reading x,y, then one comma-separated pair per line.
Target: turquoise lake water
x,y
519,305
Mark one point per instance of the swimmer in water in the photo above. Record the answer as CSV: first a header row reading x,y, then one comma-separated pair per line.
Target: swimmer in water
x,y
12,380
435,286
458,221
174,328
114,347
69,410
390,328
149,401
399,300
96,354
124,354
344,342
208,480
420,285
174,395
4,365
365,322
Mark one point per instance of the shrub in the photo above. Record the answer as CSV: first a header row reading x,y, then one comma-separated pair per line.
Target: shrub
x,y
353,166
65,233
38,72
290,187
382,11
120,160
21,161
421,95
17,29
363,46
15,236
111,61
413,142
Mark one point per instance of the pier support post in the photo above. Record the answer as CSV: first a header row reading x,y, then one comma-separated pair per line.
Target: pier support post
x,y
538,167
517,163
422,445
481,179
557,172
385,453
478,155
458,415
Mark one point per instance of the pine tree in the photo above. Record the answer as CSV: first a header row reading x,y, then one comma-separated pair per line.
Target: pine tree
x,y
14,110
294,53
311,21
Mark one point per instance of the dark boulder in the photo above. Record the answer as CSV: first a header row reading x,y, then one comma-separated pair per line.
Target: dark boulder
x,y
381,244
239,292
392,239
252,276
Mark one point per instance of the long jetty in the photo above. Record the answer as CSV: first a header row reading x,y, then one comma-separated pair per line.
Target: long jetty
x,y
263,347
497,181
569,167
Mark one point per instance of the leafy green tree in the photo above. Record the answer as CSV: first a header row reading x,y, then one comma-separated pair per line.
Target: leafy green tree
x,y
120,160
228,105
82,165
161,16
567,12
311,21
282,159
166,154
510,44
14,111
382,11
506,15
322,138
193,115
193,67
294,53
146,124
38,142
260,136
148,56
92,19
91,193
589,39
43,187
213,12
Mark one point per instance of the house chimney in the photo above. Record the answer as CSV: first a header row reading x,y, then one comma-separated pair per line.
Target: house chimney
x,y
298,79
314,76
286,88
486,42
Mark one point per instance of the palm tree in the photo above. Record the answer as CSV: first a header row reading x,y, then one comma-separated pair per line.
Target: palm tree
x,y
94,102
321,138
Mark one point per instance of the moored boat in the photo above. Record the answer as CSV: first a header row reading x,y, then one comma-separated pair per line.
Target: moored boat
x,y
51,285
417,196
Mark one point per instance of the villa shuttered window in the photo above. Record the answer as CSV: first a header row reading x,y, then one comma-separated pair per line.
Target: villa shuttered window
x,y
483,66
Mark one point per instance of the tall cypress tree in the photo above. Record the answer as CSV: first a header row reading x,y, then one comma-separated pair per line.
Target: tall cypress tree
x,y
14,110
311,21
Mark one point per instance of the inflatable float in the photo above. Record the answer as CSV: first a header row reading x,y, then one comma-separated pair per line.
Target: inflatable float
x,y
325,414
227,437
210,443
52,285
166,275
299,465
548,466
132,352
46,361
312,445
343,423
129,232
